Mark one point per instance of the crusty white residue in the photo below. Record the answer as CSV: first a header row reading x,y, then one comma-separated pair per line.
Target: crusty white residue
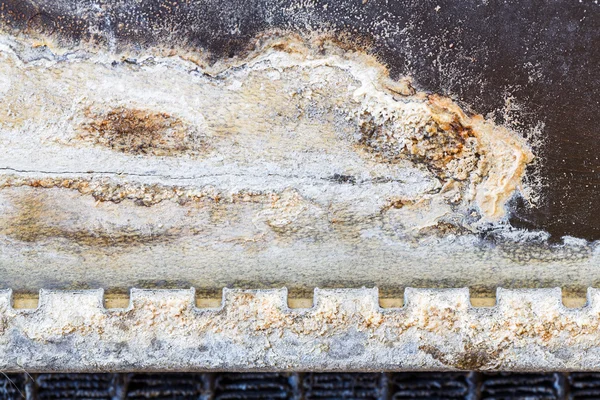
x,y
305,112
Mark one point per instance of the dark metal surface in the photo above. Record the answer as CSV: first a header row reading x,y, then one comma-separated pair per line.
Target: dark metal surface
x,y
526,63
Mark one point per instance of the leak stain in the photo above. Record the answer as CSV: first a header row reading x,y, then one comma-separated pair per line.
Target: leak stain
x,y
37,222
434,144
318,130
136,131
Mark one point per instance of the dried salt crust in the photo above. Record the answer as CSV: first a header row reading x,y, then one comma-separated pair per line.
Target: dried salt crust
x,y
476,166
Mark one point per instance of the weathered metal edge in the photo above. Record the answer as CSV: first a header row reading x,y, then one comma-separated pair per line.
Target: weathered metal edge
x,y
346,329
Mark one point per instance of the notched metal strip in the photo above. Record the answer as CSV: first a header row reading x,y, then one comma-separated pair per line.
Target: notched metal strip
x,y
346,329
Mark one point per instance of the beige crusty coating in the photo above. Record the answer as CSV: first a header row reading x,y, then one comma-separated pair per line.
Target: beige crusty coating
x,y
344,330
299,164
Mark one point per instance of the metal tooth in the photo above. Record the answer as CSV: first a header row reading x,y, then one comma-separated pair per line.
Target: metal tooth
x,y
593,300
537,299
150,296
236,298
348,299
453,298
55,301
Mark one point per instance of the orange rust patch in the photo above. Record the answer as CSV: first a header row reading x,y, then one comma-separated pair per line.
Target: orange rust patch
x,y
136,131
435,146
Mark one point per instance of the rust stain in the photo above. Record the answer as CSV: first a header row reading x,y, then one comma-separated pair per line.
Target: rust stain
x,y
473,357
31,225
135,131
435,146
103,189
34,217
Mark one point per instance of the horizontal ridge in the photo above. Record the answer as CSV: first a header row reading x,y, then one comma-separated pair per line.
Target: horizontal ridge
x,y
345,329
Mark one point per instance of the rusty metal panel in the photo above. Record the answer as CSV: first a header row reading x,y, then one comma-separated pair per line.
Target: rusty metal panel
x,y
418,148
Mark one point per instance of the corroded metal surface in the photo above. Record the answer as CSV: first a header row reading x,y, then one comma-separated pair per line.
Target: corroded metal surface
x,y
301,163
282,144
344,330
530,65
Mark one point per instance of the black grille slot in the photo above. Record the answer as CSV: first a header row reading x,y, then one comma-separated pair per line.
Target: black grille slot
x,y
166,386
585,385
74,386
252,386
342,386
520,386
12,386
429,385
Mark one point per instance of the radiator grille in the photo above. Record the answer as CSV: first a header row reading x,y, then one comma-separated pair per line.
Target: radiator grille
x,y
301,386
